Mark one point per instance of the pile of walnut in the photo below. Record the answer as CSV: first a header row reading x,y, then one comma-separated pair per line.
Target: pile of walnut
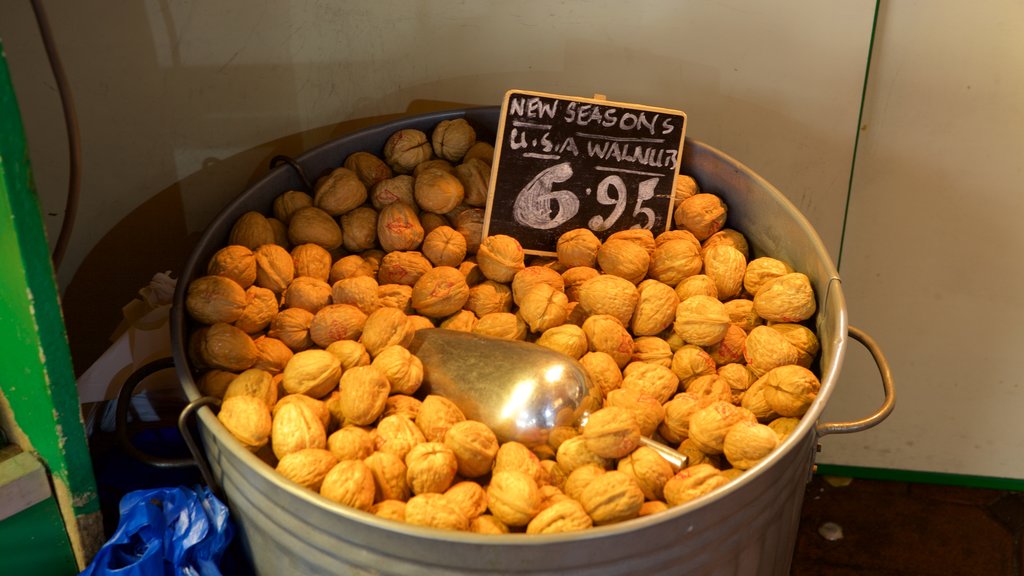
x,y
305,315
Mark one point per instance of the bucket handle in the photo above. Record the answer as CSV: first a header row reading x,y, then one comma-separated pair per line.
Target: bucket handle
x,y
121,425
887,386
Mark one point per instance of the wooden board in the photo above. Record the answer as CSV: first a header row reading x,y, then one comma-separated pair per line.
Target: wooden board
x,y
563,162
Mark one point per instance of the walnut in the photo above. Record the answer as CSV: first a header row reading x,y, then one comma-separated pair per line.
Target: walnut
x,y
291,326
500,257
563,516
760,270
645,408
609,294
433,164
470,223
398,296
803,338
766,348
437,191
397,434
655,308
709,425
463,321
788,298
652,350
790,390
402,268
440,292
212,299
676,425
318,407
513,497
516,456
339,192
501,325
753,399
471,270
573,453
225,347
727,237
350,443
312,372
467,497
256,383
437,416
741,313
543,307
474,445
392,190
684,187
695,457
399,228
582,477
389,476
311,260
247,419
359,227
235,262
677,234
481,150
312,225
648,469
725,265
452,138
747,443
443,246
435,511
693,482
475,176
404,405
390,509
652,507
574,278
349,482
701,320
363,292
739,378
613,497
351,266
368,168
702,214
215,382
567,339
531,276
578,247
275,269
489,296
783,427
307,467
487,524
674,261
651,379
431,467
606,334
403,370
603,370
385,327
611,432
406,148
336,322
624,258
364,389
711,388
296,427
251,230
697,285
290,202
730,348
307,293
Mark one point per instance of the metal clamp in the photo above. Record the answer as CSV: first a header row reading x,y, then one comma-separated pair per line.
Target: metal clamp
x,y
121,425
887,385
281,158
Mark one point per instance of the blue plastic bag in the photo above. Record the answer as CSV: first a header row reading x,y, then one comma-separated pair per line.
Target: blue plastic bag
x,y
169,531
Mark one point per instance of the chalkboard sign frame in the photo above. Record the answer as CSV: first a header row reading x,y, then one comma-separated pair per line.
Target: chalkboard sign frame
x,y
532,173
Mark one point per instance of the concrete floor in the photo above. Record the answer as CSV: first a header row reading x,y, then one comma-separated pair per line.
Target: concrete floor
x,y
901,529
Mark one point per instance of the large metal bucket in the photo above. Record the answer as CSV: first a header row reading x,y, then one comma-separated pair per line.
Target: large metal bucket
x,y
747,527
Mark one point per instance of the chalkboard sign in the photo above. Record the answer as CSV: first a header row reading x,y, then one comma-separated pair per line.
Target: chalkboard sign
x,y
562,163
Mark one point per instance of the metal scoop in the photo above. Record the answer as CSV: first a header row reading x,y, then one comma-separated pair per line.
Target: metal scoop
x,y
522,391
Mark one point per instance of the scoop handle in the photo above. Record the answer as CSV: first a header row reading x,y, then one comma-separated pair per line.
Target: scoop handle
x,y
676,459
